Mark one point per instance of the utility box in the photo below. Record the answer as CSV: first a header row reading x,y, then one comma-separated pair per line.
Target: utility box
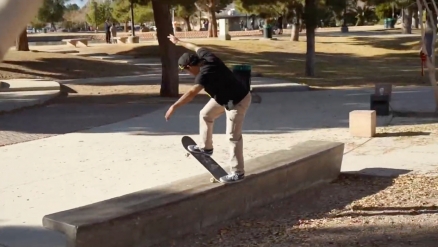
x,y
224,30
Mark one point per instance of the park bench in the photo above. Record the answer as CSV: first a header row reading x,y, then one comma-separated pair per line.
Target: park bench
x,y
123,39
157,215
74,42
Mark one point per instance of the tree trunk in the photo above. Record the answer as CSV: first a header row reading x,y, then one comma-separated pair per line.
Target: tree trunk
x,y
295,34
407,20
169,61
187,21
213,22
360,20
21,43
416,20
310,11
125,27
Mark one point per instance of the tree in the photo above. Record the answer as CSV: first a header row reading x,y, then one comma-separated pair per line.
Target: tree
x,y
185,11
211,7
21,43
98,13
121,13
169,63
52,11
310,18
287,8
143,13
72,7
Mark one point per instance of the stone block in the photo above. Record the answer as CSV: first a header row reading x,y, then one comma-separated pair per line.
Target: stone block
x,y
157,216
362,123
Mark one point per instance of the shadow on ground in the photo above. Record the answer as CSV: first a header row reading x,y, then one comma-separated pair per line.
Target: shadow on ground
x,y
290,222
279,113
26,236
401,134
332,69
409,43
58,66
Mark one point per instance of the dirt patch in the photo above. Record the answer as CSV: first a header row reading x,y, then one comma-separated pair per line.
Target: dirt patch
x,y
352,211
56,66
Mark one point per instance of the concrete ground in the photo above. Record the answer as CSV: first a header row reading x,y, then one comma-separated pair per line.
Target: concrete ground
x,y
76,169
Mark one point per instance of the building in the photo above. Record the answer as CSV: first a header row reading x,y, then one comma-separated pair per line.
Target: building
x,y
235,18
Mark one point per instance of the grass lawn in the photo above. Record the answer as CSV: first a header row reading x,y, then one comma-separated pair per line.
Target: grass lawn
x,y
340,61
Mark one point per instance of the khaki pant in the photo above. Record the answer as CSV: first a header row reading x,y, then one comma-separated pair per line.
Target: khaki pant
x,y
235,117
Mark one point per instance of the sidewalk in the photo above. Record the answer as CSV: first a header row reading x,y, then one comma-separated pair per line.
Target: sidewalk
x,y
21,93
72,170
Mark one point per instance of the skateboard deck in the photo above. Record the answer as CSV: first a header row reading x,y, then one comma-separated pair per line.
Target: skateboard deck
x,y
208,162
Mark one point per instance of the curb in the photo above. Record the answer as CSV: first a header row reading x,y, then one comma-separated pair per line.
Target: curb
x,y
41,100
28,85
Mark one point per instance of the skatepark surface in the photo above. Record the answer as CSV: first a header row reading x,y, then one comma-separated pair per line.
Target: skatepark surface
x,y
72,170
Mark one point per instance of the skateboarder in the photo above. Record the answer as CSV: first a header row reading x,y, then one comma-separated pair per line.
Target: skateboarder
x,y
227,94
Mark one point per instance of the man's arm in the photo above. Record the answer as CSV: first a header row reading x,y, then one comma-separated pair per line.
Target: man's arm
x,y
187,97
189,46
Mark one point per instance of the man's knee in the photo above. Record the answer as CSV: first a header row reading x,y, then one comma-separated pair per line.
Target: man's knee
x,y
205,115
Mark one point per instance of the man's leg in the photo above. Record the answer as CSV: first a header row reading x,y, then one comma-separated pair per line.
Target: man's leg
x,y
208,114
235,120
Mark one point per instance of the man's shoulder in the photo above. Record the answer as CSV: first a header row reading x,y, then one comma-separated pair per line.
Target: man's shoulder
x,y
202,52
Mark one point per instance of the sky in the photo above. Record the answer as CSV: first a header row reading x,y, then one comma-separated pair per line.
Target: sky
x,y
79,2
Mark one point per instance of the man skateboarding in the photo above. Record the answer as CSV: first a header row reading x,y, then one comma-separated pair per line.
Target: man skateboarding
x,y
227,94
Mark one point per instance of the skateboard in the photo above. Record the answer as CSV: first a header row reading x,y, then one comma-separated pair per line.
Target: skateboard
x,y
208,162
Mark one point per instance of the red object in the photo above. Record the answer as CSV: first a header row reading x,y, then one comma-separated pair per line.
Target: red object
x,y
423,61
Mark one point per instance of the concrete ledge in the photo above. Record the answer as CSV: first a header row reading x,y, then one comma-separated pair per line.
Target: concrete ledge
x,y
158,215
21,85
13,101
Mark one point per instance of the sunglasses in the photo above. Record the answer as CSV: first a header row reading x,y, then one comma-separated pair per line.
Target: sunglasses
x,y
182,67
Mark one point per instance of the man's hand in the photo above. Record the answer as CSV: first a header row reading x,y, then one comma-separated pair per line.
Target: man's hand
x,y
169,112
173,39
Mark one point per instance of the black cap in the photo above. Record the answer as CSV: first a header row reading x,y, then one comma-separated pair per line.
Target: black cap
x,y
187,59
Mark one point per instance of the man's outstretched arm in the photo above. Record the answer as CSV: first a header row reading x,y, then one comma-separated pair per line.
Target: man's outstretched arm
x,y
188,45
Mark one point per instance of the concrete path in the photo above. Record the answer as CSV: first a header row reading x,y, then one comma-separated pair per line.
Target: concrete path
x,y
21,93
72,170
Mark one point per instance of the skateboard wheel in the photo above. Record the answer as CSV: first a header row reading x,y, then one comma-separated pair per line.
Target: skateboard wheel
x,y
213,180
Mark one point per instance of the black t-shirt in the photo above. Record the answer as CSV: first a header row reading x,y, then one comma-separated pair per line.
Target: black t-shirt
x,y
219,81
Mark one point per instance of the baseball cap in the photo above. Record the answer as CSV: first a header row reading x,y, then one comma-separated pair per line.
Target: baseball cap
x,y
187,59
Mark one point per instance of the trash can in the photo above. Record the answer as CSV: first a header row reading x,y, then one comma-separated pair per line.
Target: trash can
x,y
243,74
392,22
267,32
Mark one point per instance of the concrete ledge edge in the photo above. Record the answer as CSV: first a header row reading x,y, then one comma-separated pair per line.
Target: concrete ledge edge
x,y
187,206
43,100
